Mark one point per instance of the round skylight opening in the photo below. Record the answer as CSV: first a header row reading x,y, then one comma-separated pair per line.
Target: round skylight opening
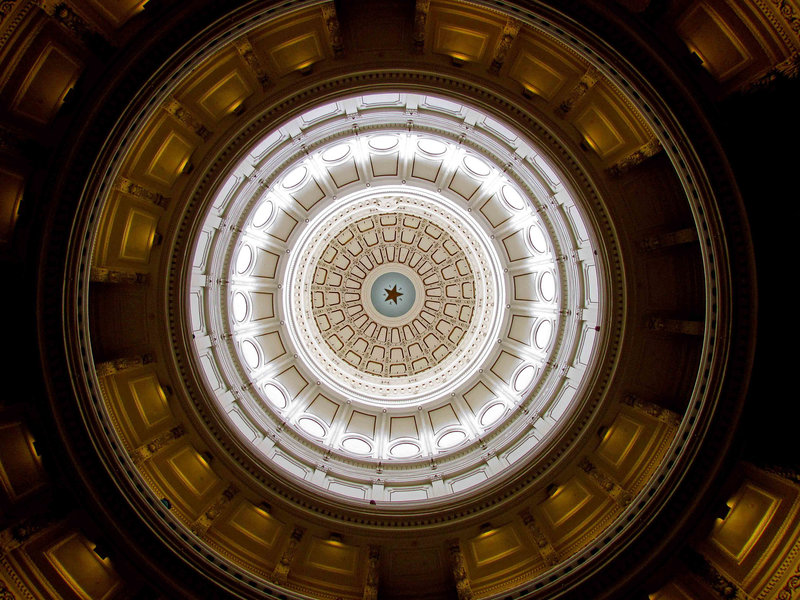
x,y
392,294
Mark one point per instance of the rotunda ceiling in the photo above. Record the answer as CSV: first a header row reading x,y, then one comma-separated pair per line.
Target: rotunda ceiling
x,y
396,297
316,314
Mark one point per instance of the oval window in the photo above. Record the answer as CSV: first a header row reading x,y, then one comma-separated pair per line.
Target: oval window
x,y
244,258
492,414
338,152
538,241
239,306
404,450
294,177
512,197
431,146
476,166
524,378
263,214
250,353
453,438
356,446
547,285
275,396
311,427
383,142
543,333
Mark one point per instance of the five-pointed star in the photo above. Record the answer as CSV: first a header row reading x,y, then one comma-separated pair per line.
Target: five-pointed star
x,y
392,294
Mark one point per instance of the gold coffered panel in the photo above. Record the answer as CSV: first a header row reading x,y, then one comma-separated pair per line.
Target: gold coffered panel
x,y
162,154
333,556
293,44
21,472
610,126
60,561
87,575
117,12
150,401
499,556
186,477
129,229
137,236
169,159
631,446
575,511
543,67
462,33
711,37
139,404
570,503
46,84
328,563
219,88
751,510
251,532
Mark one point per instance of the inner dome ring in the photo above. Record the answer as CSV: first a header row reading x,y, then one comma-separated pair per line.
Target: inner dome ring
x,y
444,372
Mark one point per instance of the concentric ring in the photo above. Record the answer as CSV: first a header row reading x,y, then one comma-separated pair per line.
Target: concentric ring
x,y
389,361
322,393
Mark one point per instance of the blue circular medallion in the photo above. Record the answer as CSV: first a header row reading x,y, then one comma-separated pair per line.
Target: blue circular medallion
x,y
393,294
